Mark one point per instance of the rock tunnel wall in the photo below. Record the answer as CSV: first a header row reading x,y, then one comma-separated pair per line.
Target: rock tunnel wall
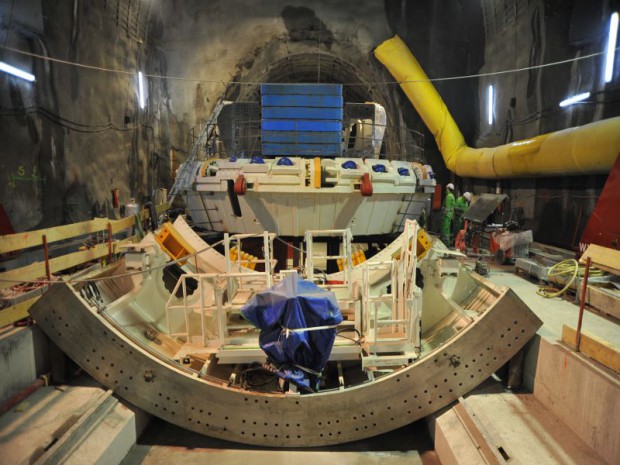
x,y
77,133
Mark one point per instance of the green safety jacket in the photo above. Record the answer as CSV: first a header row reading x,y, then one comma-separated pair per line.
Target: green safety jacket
x,y
448,205
461,206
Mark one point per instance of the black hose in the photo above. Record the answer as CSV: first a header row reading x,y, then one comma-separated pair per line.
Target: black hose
x,y
152,214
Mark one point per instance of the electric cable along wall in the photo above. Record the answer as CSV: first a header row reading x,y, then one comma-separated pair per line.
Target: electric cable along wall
x,y
589,149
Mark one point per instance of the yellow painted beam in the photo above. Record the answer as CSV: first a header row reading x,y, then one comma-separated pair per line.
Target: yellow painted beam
x,y
594,347
16,312
13,242
36,270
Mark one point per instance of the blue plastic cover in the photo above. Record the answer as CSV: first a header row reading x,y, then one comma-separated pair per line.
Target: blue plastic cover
x,y
290,305
379,168
403,171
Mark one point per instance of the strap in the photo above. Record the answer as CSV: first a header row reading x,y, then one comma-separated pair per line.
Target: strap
x,y
288,331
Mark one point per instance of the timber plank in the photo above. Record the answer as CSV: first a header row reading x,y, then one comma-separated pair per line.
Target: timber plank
x,y
594,347
603,257
37,270
604,301
24,240
10,315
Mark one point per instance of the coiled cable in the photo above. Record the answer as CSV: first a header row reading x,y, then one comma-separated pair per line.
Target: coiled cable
x,y
563,268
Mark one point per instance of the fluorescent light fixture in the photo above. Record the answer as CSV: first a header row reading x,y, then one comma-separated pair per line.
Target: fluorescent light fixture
x,y
574,99
141,89
490,96
16,71
611,47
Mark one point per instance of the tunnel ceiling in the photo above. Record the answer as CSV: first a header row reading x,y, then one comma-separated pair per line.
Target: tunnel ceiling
x,y
314,68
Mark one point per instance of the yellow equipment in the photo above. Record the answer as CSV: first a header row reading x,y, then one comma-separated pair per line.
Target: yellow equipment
x,y
173,243
588,149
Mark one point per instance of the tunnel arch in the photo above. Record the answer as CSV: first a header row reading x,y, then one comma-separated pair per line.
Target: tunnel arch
x,y
363,78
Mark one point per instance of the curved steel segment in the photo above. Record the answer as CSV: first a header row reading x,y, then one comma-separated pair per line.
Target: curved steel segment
x,y
210,407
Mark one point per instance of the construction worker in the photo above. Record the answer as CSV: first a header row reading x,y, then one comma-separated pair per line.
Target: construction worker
x,y
448,213
461,207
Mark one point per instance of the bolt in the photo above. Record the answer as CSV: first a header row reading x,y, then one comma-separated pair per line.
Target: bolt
x,y
150,334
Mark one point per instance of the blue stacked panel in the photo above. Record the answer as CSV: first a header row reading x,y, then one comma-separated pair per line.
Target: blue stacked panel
x,y
306,137
301,119
312,101
294,126
302,113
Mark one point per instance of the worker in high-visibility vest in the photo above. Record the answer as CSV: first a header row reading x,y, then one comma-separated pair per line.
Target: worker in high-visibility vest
x,y
461,207
448,214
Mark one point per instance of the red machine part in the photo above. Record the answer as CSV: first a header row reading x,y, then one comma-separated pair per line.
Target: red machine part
x,y
603,227
241,185
366,185
115,197
437,198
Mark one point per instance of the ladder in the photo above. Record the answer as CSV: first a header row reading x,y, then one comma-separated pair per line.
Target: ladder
x,y
345,291
311,256
403,214
392,320
185,176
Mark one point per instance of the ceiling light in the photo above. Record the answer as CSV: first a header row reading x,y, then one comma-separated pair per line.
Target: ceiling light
x,y
574,99
16,71
490,98
141,89
611,47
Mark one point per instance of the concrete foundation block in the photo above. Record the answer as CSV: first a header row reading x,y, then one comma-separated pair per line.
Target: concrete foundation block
x,y
22,358
583,394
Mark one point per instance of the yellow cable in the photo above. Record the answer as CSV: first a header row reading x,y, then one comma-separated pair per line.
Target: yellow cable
x,y
565,267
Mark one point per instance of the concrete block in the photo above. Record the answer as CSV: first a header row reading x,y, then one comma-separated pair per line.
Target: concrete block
x,y
582,394
515,428
30,428
161,455
453,444
109,441
17,361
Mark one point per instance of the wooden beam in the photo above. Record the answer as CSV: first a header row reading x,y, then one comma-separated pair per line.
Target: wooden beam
x,y
10,315
37,270
603,258
13,242
594,347
18,241
604,300
487,445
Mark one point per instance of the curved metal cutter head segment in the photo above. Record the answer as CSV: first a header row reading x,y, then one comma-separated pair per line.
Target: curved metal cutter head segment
x,y
209,407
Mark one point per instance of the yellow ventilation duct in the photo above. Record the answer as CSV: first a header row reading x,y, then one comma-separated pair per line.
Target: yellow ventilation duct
x,y
589,149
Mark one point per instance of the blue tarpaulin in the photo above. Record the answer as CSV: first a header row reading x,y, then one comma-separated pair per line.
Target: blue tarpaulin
x,y
286,315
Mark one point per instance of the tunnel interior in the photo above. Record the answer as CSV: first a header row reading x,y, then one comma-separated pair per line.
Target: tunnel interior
x,y
79,131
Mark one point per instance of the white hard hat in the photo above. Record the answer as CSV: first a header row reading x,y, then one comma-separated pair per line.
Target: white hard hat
x,y
467,195
450,186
